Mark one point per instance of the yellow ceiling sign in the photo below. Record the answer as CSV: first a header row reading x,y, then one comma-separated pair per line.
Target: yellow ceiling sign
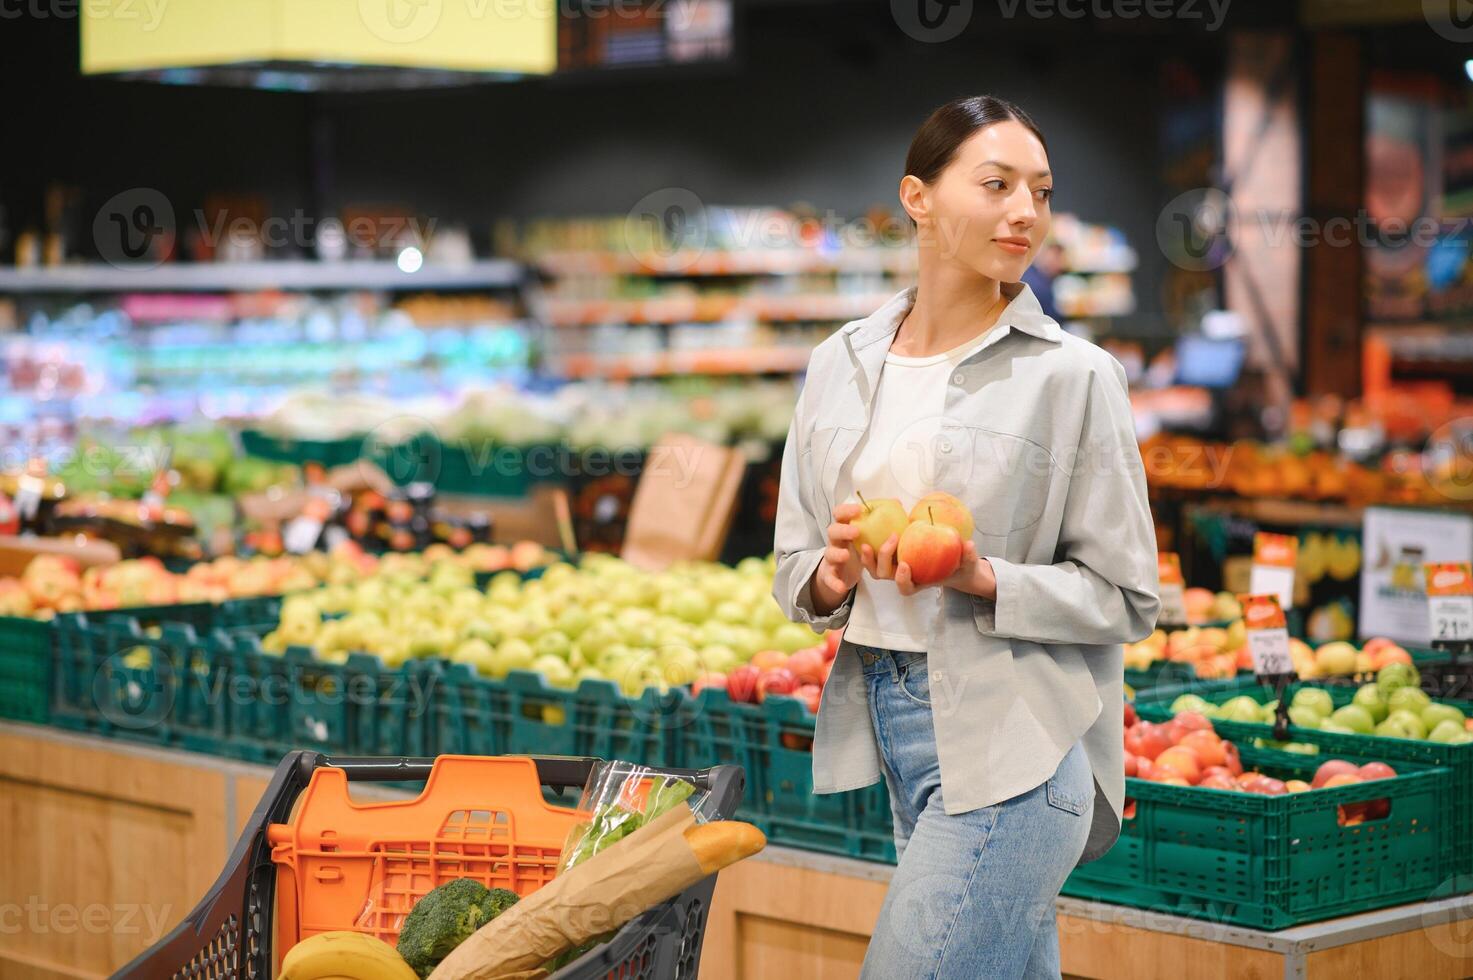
x,y
454,35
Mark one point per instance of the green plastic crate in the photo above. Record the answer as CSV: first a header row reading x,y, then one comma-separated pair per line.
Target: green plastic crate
x,y
523,714
773,742
1457,758
25,669
1270,862
283,449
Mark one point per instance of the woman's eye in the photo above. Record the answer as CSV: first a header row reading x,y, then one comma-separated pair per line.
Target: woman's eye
x,y
1045,193
995,184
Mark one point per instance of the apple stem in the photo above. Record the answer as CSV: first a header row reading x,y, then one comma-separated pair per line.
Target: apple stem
x,y
867,507
929,516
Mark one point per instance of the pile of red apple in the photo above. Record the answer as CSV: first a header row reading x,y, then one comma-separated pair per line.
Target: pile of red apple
x,y
1187,752
800,674
930,536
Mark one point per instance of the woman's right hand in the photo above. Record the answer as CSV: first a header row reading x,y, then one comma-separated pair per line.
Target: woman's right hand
x,y
840,568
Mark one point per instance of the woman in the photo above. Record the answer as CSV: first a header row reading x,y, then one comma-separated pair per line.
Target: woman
x,y
990,702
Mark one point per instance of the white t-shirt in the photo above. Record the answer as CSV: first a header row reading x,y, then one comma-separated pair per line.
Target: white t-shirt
x,y
896,458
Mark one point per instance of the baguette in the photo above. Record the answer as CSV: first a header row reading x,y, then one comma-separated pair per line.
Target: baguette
x,y
723,842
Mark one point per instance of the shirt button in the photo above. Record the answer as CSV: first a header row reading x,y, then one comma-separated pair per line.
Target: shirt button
x,y
957,377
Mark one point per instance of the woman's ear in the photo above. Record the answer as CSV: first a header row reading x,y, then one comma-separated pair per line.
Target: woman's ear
x,y
914,197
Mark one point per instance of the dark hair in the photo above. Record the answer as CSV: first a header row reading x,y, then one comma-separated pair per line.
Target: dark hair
x,y
936,142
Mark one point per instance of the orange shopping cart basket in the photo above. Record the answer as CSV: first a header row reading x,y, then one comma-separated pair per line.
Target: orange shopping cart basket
x,y
338,863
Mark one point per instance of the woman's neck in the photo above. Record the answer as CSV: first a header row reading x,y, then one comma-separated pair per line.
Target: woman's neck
x,y
953,305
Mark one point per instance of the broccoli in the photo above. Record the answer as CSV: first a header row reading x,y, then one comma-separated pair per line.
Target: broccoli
x,y
445,918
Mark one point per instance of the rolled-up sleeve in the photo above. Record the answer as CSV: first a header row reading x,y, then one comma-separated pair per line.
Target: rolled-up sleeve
x,y
799,538
1105,589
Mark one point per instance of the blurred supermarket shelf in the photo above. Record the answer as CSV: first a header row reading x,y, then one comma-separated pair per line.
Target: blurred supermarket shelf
x,y
243,276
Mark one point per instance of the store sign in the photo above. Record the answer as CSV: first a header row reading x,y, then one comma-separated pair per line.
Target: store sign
x,y
1399,543
1274,559
1173,588
1268,634
1450,604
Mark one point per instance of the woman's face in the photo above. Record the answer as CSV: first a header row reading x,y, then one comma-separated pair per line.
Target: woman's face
x,y
989,209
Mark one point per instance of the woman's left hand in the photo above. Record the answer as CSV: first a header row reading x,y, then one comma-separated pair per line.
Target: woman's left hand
x,y
973,574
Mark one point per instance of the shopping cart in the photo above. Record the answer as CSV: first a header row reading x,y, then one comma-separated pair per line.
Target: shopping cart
x,y
229,933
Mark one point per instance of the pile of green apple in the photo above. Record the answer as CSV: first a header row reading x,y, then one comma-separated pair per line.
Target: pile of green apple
x,y
602,619
1393,706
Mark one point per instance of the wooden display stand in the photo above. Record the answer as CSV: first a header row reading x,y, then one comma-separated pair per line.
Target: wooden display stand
x,y
105,846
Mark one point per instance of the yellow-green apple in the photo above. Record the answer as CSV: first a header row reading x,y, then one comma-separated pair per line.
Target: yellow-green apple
x,y
933,551
945,509
877,520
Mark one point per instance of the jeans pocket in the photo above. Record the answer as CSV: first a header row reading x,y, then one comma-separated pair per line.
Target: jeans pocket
x,y
915,683
1065,799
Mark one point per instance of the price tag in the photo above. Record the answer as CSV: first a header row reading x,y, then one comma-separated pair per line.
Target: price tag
x,y
1173,588
1274,558
301,534
1268,634
1450,603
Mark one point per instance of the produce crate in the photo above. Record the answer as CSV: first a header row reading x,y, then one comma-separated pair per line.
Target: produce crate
x,y
277,703
25,668
476,715
773,742
491,470
284,449
231,932
1458,759
1270,862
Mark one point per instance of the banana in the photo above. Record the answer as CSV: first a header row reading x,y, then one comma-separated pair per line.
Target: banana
x,y
344,955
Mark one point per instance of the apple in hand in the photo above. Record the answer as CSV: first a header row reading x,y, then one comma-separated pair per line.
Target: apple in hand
x,y
877,520
943,508
933,551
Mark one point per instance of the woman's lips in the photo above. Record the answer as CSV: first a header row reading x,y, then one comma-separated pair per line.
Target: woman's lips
x,y
1017,248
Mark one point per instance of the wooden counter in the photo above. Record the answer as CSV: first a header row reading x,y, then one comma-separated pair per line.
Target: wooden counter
x,y
105,846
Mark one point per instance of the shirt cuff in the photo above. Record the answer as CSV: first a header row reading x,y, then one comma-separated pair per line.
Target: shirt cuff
x,y
995,616
803,602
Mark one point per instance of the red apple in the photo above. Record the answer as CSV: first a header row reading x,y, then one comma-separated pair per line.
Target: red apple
x,y
714,679
1130,765
807,665
1193,721
1130,716
768,659
1207,746
831,641
810,695
943,508
741,684
1376,770
1221,779
779,680
1332,768
933,551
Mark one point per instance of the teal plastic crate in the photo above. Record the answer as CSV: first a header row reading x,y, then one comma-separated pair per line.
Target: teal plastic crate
x,y
1458,759
523,714
283,449
25,669
1270,862
773,742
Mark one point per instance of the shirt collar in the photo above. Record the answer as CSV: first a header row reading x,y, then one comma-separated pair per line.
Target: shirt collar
x,y
1023,312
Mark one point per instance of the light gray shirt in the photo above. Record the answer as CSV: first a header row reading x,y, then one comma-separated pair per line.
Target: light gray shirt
x,y
1038,441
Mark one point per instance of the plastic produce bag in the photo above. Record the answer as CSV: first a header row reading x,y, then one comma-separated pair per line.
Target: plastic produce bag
x,y
617,800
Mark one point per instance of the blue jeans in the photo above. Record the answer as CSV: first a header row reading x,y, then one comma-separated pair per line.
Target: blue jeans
x,y
973,894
